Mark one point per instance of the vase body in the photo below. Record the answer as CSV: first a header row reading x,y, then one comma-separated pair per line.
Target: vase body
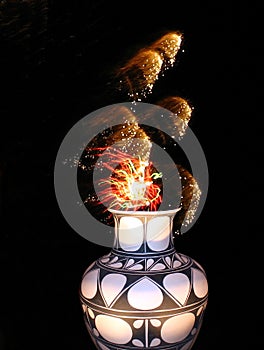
x,y
144,294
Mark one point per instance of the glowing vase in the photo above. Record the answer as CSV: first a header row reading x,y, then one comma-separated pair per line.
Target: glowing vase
x,y
144,294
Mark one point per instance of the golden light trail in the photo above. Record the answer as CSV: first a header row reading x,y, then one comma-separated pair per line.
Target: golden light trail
x,y
139,74
131,139
125,149
181,108
168,46
190,198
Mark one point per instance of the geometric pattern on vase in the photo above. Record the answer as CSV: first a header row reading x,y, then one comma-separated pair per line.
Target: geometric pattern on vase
x,y
184,291
171,260
142,298
171,332
175,287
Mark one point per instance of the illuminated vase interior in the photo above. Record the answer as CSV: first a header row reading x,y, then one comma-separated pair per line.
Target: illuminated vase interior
x,y
144,294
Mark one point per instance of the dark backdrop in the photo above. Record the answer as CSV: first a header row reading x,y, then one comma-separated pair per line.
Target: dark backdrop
x,y
57,60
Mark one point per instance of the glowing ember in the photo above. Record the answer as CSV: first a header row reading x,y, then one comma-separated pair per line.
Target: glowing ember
x,y
132,185
139,74
168,46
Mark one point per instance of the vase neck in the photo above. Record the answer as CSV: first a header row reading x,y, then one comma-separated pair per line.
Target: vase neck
x,y
139,233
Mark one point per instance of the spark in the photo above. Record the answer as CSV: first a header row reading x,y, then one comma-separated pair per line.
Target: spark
x,y
139,74
168,46
190,198
132,184
182,111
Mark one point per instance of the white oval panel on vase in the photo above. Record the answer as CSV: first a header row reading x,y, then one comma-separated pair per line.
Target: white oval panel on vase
x,y
113,329
112,285
200,285
158,233
130,233
145,295
178,285
177,328
89,284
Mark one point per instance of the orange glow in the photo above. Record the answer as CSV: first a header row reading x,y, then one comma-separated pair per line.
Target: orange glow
x,y
132,184
139,74
168,46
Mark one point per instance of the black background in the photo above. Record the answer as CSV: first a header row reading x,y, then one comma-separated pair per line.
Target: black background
x,y
57,61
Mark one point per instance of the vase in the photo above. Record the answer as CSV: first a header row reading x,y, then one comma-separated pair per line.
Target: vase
x,y
144,294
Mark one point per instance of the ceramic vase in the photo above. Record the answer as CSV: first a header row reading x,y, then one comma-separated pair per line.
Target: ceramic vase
x,y
144,294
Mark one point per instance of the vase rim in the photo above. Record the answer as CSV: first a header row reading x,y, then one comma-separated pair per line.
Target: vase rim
x,y
144,212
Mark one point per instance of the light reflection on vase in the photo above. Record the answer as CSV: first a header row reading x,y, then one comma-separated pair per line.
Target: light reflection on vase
x,y
144,294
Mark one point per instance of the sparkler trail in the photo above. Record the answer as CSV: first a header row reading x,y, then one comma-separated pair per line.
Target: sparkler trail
x,y
133,155
120,158
181,109
83,154
128,135
176,120
168,46
132,184
121,153
190,199
139,74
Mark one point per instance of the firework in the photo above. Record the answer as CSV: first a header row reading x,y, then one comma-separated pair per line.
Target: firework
x,y
132,184
168,46
182,111
190,199
139,74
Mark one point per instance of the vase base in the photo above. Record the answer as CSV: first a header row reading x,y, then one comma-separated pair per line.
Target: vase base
x,y
136,343
180,346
